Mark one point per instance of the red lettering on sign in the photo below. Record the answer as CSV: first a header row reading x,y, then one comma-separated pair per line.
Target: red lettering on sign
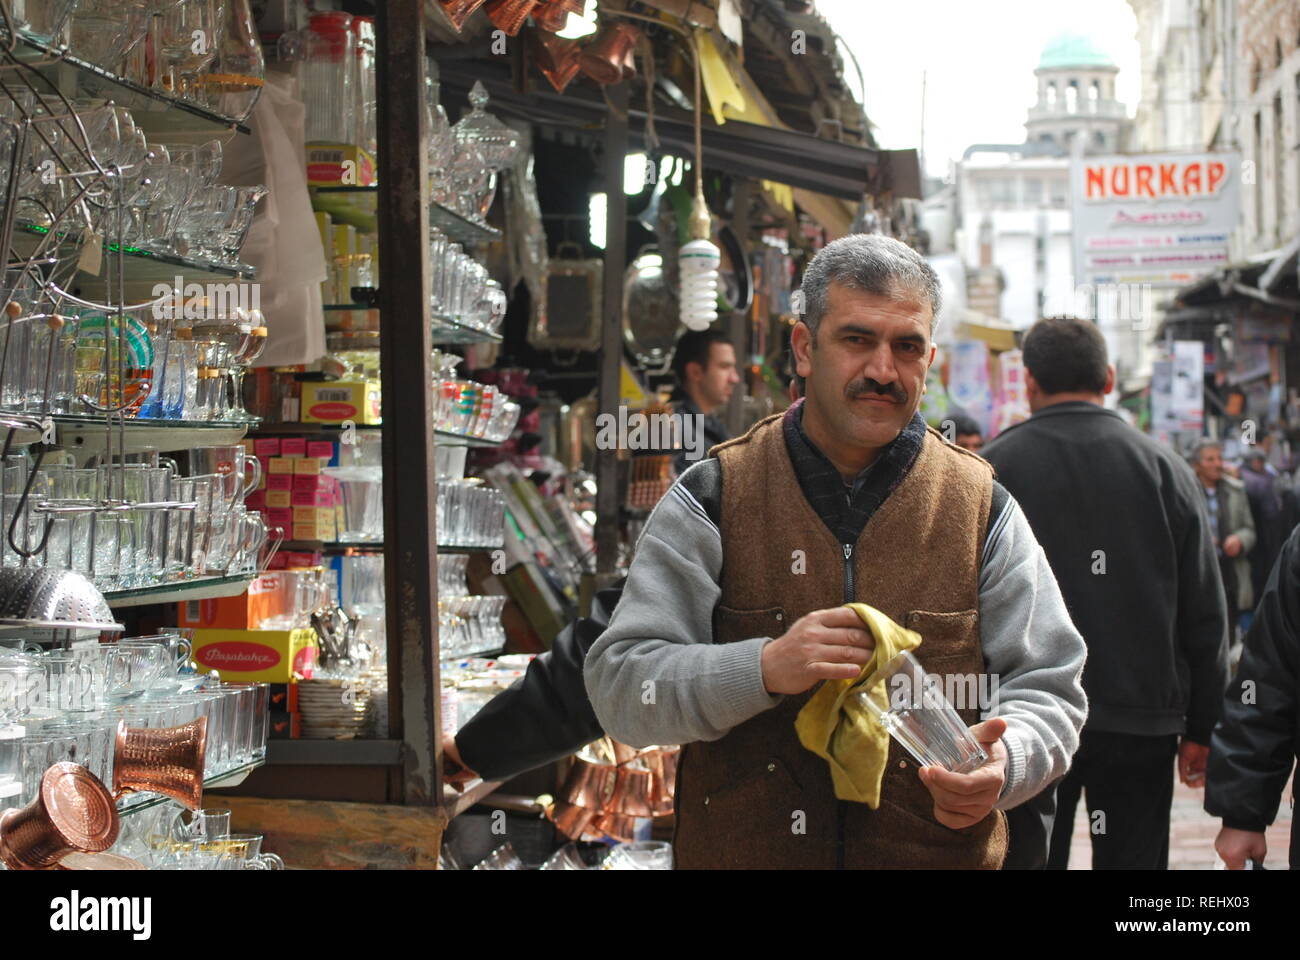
x,y
333,411
1118,184
1168,183
1096,182
1217,171
1192,179
1144,174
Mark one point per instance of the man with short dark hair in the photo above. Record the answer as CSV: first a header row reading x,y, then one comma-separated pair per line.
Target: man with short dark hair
x,y
1232,529
734,609
704,362
1123,526
966,432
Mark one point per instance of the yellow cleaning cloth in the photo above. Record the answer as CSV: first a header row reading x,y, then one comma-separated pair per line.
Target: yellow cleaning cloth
x,y
834,725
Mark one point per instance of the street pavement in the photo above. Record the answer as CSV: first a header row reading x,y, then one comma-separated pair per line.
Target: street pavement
x,y
1192,833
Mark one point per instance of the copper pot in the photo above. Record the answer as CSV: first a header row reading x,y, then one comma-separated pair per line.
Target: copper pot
x,y
603,60
616,826
72,811
570,820
458,11
168,761
633,793
590,783
554,15
559,59
663,763
510,15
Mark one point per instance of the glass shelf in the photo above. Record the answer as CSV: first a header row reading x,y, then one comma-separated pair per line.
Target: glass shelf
x,y
146,105
179,591
87,436
447,330
488,654
142,266
135,802
332,546
460,440
457,228
462,548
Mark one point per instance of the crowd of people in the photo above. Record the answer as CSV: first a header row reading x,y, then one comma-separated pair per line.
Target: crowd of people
x,y
1099,576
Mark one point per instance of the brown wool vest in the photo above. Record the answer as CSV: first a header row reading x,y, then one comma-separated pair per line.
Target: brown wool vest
x,y
756,798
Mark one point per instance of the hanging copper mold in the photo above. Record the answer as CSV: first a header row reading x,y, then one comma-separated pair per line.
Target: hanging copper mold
x,y
572,821
167,761
590,783
553,16
616,826
558,58
458,11
510,15
72,812
663,764
633,793
604,58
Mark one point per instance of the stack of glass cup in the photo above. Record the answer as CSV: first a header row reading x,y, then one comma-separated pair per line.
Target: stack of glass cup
x,y
469,408
127,525
66,705
467,625
463,292
470,514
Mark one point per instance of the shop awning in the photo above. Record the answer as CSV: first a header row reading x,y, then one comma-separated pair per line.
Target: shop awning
x,y
738,148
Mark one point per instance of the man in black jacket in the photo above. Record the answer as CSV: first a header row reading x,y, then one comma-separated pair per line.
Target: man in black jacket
x,y
1124,529
544,716
1258,738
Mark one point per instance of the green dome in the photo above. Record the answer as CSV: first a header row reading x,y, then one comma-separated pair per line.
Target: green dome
x,y
1068,50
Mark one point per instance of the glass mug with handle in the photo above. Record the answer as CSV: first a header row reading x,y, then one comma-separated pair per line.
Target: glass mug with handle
x,y
244,852
233,463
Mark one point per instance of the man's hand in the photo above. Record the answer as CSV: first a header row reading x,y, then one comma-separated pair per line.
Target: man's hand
x,y
1232,545
1235,847
1192,758
454,771
964,799
831,644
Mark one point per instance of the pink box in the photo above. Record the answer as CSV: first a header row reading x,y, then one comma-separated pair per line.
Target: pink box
x,y
255,500
280,517
279,561
279,481
309,483
301,559
293,446
313,498
322,449
266,446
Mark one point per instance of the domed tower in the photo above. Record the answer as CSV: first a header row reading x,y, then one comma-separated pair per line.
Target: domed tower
x,y
1076,97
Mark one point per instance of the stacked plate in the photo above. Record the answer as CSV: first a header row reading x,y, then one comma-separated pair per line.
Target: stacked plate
x,y
334,709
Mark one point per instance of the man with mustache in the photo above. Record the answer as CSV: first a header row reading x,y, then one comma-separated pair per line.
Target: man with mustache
x,y
733,609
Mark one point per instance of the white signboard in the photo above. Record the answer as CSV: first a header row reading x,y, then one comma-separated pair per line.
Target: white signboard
x,y
1159,219
1178,390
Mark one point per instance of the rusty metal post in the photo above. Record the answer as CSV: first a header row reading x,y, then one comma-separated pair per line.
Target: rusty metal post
x,y
611,330
737,321
410,484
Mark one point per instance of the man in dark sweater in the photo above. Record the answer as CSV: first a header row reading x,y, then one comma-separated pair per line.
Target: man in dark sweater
x,y
1123,526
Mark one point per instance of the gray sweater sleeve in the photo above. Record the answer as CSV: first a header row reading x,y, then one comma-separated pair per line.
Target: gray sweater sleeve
x,y
1036,655
655,676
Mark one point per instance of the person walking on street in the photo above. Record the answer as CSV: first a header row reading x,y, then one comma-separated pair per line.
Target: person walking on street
x,y
704,363
1121,520
1257,740
1231,527
734,610
1263,493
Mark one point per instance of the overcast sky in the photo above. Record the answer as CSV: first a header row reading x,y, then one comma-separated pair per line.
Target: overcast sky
x,y
978,59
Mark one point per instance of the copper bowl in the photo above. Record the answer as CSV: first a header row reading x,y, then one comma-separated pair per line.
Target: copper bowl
x,y
633,793
559,59
590,783
603,60
458,11
570,820
616,826
510,15
72,811
167,761
663,763
553,16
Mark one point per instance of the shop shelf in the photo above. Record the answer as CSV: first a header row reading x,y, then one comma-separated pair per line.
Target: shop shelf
x,y
332,546
449,330
475,792
469,654
86,435
462,548
143,268
275,429
351,753
135,802
153,110
460,440
179,591
457,228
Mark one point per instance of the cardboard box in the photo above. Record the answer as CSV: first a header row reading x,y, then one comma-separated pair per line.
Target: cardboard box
x,y
306,483
256,500
283,726
297,559
267,597
269,656
284,697
340,400
321,449
280,481
293,446
312,498
279,517
279,465
279,498
306,467
266,446
339,165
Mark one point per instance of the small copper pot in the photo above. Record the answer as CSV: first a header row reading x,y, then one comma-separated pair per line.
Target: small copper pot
x,y
663,763
570,820
553,16
458,11
616,826
510,15
604,58
168,761
72,811
559,59
590,783
633,793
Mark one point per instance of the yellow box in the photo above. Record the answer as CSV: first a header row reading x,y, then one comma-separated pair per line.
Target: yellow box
x,y
340,400
279,465
279,498
339,164
306,466
265,656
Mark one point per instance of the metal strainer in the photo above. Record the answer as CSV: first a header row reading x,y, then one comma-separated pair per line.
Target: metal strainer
x,y
39,598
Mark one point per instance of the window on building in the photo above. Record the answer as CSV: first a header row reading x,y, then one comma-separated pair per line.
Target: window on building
x,y
1099,139
1033,191
1051,94
1003,192
1094,94
1072,97
1279,166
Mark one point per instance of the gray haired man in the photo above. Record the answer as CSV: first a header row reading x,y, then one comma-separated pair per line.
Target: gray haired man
x,y
733,610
